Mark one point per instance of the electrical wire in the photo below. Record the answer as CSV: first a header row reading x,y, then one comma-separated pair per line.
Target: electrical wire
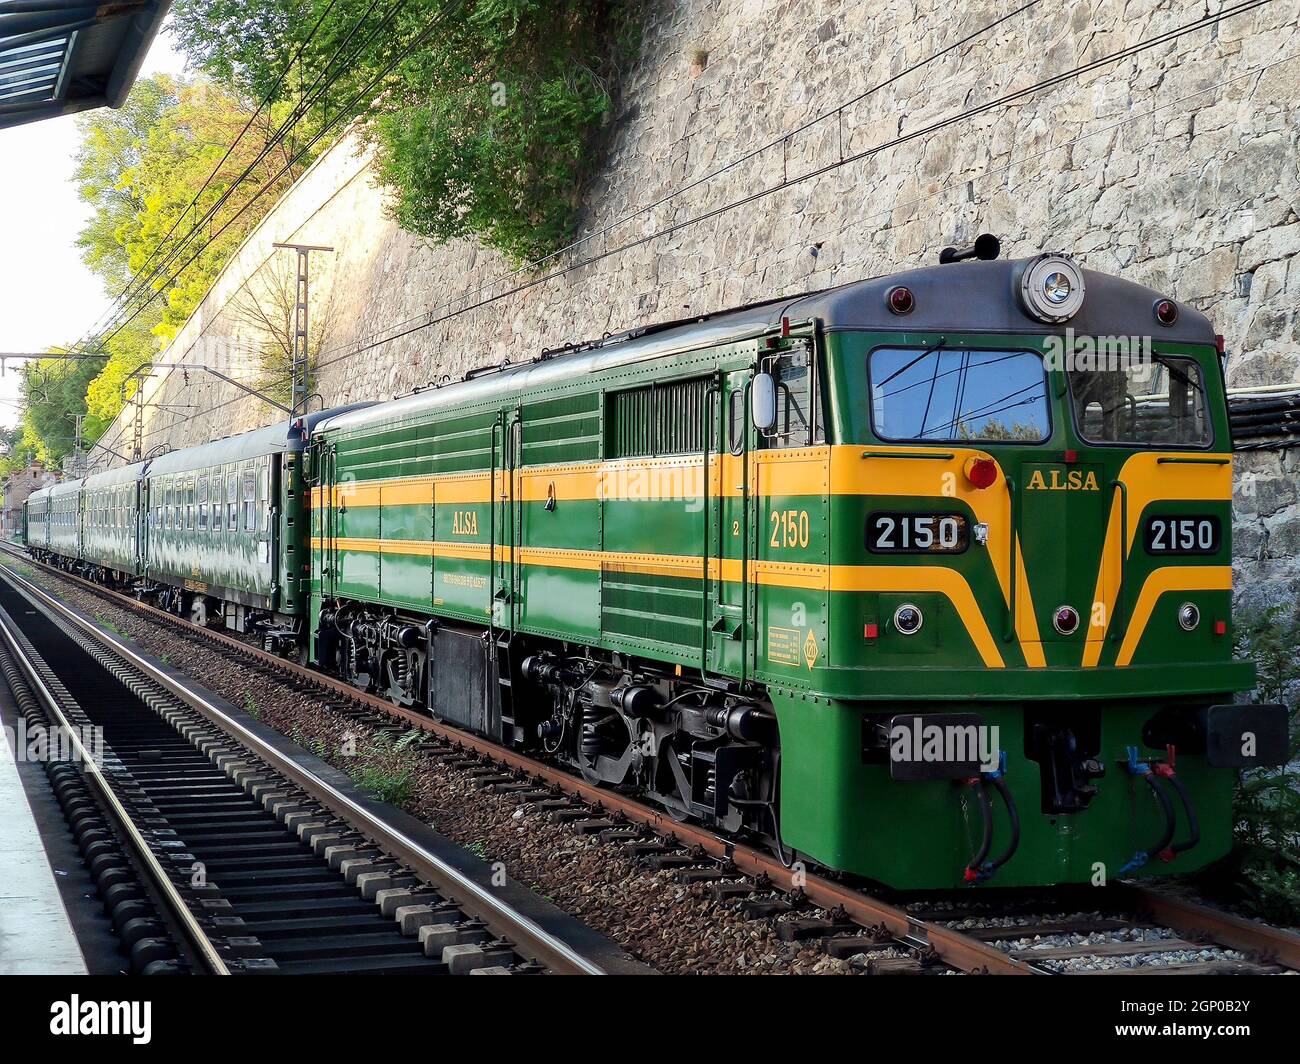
x,y
1168,36
915,202
261,106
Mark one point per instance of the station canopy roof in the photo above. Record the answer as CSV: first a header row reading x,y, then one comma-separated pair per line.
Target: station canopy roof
x,y
61,56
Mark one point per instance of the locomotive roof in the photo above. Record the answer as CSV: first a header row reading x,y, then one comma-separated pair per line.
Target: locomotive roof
x,y
967,297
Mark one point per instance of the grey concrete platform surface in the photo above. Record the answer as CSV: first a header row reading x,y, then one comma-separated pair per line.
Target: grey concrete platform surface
x,y
36,937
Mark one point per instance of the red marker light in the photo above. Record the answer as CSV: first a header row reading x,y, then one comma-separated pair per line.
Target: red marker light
x,y
1071,456
1219,343
785,326
900,300
1220,627
1166,312
871,630
981,472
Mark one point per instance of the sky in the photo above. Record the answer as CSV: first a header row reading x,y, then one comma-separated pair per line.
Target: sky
x,y
46,295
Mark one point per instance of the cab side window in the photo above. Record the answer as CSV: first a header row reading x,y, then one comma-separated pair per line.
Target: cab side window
x,y
798,422
736,420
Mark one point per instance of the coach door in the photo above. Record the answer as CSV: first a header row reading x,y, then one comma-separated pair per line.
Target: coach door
x,y
142,515
729,527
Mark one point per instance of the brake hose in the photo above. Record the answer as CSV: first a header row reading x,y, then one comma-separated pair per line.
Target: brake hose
x,y
1013,816
1143,770
972,873
1166,771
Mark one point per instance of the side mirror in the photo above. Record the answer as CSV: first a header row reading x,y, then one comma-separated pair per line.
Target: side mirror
x,y
762,402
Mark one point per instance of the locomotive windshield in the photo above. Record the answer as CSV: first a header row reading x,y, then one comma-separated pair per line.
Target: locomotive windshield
x,y
1157,402
950,395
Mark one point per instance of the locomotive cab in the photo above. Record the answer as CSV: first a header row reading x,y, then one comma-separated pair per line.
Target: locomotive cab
x,y
1028,607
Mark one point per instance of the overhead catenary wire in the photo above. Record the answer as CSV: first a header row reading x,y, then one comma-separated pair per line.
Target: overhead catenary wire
x,y
753,153
1168,36
263,103
445,311
955,45
1011,164
300,110
345,112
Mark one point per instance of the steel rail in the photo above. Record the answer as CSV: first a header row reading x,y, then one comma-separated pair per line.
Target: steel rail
x,y
1193,918
531,940
950,946
196,937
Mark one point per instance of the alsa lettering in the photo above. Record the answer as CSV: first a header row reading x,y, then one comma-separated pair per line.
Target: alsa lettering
x,y
1062,480
464,523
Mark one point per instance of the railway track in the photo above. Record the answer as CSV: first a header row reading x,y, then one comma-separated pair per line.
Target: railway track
x,y
220,848
1119,929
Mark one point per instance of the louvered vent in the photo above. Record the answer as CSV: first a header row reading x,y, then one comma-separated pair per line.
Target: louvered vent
x,y
658,419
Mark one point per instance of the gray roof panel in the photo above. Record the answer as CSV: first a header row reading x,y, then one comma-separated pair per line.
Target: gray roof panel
x,y
970,297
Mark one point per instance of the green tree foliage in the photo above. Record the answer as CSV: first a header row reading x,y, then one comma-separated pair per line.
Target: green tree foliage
x,y
1264,871
54,396
485,130
139,168
16,450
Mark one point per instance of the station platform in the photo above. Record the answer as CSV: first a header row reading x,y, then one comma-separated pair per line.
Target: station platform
x,y
36,934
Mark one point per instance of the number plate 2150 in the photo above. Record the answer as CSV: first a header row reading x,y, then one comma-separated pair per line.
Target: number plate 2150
x,y
913,533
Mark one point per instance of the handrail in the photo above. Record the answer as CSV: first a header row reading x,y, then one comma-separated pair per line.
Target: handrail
x,y
516,510
746,399
923,455
497,425
1117,631
1012,534
712,390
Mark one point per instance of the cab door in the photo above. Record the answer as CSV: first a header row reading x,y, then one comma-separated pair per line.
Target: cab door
x,y
325,521
729,525
508,437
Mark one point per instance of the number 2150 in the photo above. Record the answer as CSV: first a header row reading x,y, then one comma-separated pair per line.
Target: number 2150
x,y
789,528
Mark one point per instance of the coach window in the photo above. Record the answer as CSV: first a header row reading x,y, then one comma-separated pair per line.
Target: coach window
x,y
201,492
958,395
250,500
232,501
189,505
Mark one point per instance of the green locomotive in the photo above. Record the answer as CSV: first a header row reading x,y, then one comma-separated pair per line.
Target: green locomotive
x,y
925,578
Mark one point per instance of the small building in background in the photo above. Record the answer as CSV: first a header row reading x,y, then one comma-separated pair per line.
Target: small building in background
x,y
17,486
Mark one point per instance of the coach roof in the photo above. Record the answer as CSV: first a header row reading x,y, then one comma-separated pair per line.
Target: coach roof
x,y
273,439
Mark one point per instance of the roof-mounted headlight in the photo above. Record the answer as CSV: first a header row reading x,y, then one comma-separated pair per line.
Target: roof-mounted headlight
x,y
1051,288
